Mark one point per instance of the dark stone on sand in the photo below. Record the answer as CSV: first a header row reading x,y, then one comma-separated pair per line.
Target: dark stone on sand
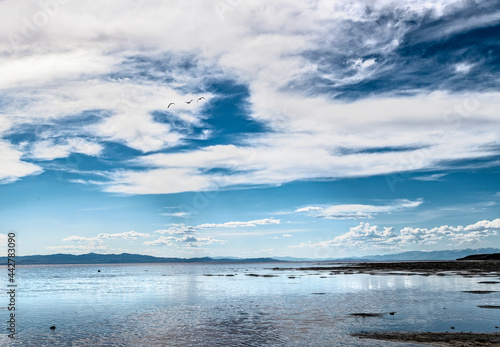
x,y
292,277
253,275
230,275
53,327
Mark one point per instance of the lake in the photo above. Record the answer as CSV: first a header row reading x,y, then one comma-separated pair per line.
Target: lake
x,y
193,305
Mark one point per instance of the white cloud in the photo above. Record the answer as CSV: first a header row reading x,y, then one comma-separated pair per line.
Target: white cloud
x,y
48,150
287,235
463,67
252,223
358,211
177,214
128,235
178,230
433,177
74,249
186,241
11,165
309,209
88,58
366,236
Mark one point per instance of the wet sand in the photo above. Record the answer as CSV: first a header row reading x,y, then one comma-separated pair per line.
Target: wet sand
x,y
437,339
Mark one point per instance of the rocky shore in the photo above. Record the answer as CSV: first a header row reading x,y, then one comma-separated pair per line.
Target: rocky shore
x,y
466,268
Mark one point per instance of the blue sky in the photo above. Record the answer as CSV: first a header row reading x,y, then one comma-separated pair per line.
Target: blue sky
x,y
316,128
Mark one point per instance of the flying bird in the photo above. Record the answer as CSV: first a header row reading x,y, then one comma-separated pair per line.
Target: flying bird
x,y
188,102
201,98
170,104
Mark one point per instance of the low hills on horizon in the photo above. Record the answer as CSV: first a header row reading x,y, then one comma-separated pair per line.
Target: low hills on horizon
x,y
127,258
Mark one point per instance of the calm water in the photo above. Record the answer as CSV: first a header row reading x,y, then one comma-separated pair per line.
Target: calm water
x,y
177,305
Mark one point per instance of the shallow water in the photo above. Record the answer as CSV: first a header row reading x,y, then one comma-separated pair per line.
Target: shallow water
x,y
178,305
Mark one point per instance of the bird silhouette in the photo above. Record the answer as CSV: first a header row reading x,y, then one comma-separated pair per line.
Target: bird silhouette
x,y
201,98
188,102
170,104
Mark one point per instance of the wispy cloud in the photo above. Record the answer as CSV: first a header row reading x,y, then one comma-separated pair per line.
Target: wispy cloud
x,y
358,211
252,223
128,235
433,177
186,240
125,73
178,230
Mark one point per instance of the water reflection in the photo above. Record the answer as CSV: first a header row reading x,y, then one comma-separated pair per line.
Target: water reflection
x,y
176,305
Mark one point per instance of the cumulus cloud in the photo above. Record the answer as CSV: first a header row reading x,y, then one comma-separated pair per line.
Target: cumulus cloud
x,y
366,236
358,211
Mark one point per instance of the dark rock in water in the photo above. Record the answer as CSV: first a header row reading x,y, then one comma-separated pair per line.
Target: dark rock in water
x,y
452,327
53,327
479,291
319,293
489,282
98,270
366,314
489,306
392,313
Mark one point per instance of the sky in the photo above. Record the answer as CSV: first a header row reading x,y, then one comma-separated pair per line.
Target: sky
x,y
305,128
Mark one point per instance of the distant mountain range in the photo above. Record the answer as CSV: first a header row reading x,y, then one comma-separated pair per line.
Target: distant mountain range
x,y
127,258
410,255
124,258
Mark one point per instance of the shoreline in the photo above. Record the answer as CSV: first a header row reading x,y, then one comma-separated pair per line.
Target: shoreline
x,y
488,268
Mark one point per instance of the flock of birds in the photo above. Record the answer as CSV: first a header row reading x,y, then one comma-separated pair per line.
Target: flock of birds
x,y
187,102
